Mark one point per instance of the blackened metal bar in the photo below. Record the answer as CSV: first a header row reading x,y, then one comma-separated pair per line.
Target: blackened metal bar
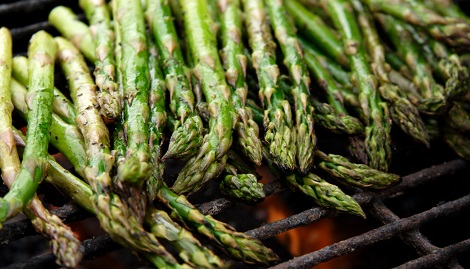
x,y
92,248
29,6
26,32
439,256
379,234
311,215
413,238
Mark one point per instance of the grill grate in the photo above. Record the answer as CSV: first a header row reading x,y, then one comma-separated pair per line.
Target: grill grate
x,y
406,228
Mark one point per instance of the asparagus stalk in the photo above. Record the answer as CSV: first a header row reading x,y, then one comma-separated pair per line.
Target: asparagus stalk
x,y
65,244
236,244
358,175
433,101
453,31
235,63
67,23
447,8
187,136
402,111
317,32
293,60
322,192
65,137
243,187
458,118
375,111
280,132
210,159
333,116
135,79
98,17
112,212
190,249
458,141
158,118
41,52
61,105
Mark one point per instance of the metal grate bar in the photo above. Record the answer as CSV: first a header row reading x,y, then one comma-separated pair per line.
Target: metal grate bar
x,y
382,233
92,248
439,256
311,215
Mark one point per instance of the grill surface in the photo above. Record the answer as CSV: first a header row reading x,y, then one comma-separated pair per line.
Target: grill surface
x,y
426,210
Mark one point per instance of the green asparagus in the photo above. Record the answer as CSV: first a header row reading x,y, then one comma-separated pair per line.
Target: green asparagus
x,y
61,106
280,132
402,111
210,159
41,52
67,23
317,32
243,187
359,175
135,80
433,101
453,31
235,63
187,136
98,17
285,34
375,112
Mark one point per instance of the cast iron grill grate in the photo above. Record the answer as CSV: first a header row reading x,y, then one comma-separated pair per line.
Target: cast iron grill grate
x,y
381,205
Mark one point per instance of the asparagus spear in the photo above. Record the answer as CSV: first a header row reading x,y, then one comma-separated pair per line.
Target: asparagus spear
x,y
317,32
236,244
402,111
113,214
322,192
65,137
67,23
375,112
333,115
458,141
135,79
98,17
210,159
433,101
447,8
235,63
190,249
293,60
453,31
61,105
280,132
158,118
359,175
243,187
187,136
41,52
458,118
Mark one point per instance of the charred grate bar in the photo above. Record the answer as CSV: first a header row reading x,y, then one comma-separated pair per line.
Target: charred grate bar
x,y
385,232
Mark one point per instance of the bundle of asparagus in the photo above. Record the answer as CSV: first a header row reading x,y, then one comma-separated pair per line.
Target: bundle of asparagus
x,y
337,73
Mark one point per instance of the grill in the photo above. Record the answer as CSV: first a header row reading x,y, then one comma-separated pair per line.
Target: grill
x,y
419,223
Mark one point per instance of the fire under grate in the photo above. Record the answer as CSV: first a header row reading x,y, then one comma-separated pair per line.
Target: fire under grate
x,y
407,229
